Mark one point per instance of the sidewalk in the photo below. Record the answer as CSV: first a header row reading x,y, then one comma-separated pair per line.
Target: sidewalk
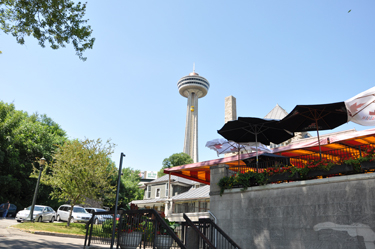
x,y
17,239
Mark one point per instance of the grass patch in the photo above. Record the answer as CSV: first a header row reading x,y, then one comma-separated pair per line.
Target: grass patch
x,y
74,228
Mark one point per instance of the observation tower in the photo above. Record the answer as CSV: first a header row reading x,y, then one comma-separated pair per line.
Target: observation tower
x,y
192,87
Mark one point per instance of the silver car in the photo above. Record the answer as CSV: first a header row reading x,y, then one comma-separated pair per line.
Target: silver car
x,y
99,219
41,213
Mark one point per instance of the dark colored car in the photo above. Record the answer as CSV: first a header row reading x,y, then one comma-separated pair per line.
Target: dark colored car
x,y
11,212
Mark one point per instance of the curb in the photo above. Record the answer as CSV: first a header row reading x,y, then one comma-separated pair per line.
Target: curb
x,y
67,236
58,234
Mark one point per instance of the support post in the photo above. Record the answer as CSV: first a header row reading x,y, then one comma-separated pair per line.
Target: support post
x,y
117,193
35,195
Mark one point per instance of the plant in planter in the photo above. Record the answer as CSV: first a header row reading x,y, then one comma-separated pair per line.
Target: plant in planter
x,y
368,159
242,180
323,164
132,229
131,236
355,163
315,168
282,173
163,240
311,169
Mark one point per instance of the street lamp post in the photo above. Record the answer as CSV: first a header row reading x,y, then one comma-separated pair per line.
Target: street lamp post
x,y
117,194
41,162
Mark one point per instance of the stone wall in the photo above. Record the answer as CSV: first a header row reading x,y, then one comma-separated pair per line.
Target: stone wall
x,y
328,213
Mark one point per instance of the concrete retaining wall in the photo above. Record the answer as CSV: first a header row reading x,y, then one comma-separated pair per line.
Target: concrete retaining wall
x,y
326,213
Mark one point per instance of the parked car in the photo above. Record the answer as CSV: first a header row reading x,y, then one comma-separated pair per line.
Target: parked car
x,y
99,219
79,214
40,213
11,212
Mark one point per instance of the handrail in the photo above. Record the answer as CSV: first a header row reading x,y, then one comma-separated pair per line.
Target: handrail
x,y
191,224
165,225
215,234
226,236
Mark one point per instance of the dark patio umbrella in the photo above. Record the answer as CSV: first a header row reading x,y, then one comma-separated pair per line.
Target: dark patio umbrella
x,y
315,118
249,129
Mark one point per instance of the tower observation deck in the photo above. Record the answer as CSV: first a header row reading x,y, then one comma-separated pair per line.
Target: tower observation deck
x,y
192,87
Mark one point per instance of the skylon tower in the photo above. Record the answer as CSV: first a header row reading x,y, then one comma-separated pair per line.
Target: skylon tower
x,y
192,87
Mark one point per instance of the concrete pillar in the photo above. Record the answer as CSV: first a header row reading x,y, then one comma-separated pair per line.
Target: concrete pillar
x,y
216,173
168,209
191,129
192,239
230,108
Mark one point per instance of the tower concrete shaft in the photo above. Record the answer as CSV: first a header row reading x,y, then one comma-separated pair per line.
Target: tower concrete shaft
x,y
191,128
192,87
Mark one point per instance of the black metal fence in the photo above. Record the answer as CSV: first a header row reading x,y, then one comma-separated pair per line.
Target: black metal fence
x,y
337,156
134,228
208,235
147,229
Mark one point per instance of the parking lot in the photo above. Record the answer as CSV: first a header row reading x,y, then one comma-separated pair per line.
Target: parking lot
x,y
14,238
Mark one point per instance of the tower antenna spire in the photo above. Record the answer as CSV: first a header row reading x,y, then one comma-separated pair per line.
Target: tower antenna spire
x,y
194,67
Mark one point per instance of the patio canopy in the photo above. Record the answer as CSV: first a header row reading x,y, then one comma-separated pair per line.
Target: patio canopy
x,y
200,171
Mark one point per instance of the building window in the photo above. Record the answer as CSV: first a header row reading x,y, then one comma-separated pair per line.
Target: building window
x,y
203,206
166,189
157,193
192,206
148,192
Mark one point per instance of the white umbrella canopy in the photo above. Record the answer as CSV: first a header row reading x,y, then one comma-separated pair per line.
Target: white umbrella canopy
x,y
361,108
223,146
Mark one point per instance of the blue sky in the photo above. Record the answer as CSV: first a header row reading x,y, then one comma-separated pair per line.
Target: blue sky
x,y
262,52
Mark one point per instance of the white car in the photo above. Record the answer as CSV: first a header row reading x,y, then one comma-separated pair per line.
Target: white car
x,y
40,213
79,214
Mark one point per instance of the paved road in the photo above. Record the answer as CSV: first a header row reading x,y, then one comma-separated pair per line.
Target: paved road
x,y
16,239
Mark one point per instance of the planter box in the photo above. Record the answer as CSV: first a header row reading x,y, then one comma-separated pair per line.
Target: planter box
x,y
287,176
368,165
163,241
336,169
252,182
130,240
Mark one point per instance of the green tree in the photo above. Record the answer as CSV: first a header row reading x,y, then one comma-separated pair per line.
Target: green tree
x,y
174,160
57,22
23,138
130,186
80,170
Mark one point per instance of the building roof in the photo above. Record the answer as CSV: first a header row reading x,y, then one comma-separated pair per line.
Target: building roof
x,y
148,201
175,179
276,113
194,193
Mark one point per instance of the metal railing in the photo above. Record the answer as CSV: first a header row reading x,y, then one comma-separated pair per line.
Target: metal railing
x,y
337,156
147,229
138,228
208,233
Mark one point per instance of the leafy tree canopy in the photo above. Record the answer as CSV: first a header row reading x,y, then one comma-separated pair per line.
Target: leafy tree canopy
x,y
80,170
174,160
57,22
129,188
23,138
